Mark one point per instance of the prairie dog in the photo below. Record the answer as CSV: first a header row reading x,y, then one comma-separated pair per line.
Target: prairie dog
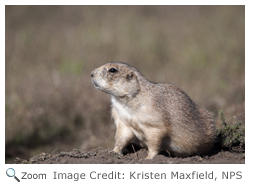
x,y
156,116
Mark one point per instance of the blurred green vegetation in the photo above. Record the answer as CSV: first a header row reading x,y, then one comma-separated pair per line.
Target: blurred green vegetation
x,y
51,50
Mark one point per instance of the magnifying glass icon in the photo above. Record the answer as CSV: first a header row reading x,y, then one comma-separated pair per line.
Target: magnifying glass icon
x,y
11,173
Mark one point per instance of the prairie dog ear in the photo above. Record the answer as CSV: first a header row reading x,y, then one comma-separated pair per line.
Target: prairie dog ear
x,y
130,76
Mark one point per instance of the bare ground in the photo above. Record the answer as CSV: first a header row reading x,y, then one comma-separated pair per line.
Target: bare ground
x,y
104,156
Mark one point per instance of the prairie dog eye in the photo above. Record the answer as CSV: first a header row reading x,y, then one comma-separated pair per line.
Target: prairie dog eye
x,y
113,70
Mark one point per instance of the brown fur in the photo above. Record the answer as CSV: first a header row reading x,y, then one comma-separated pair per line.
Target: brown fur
x,y
156,116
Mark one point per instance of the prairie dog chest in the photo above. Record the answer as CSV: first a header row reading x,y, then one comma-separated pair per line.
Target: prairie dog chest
x,y
131,118
126,114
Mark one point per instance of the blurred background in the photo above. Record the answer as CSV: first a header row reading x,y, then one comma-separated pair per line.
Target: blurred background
x,y
50,102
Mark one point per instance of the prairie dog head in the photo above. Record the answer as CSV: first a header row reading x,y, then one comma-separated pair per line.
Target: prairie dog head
x,y
117,79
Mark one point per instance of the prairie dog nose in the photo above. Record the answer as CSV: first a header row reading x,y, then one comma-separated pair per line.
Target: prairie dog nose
x,y
93,73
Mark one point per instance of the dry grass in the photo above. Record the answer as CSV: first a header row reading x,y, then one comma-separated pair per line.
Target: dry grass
x,y
51,50
231,136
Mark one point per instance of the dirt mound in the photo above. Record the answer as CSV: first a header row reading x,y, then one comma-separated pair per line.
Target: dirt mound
x,y
104,156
